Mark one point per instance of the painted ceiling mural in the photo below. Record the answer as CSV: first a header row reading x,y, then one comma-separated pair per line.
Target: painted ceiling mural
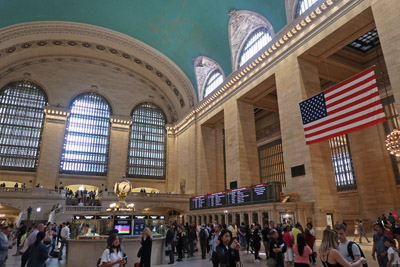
x,y
180,29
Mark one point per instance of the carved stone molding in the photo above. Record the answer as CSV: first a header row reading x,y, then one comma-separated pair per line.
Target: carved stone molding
x,y
56,114
121,123
242,24
107,41
34,61
203,67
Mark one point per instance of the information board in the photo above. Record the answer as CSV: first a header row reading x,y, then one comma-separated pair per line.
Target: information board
x,y
216,200
138,226
239,196
259,192
198,202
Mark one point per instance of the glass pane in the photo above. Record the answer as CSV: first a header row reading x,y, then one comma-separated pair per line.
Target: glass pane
x,y
147,144
342,163
21,125
303,5
213,82
256,41
272,167
86,142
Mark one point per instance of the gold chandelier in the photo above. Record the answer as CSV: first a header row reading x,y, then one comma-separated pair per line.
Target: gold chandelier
x,y
393,142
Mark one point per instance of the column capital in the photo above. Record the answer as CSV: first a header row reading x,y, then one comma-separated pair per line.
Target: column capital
x,y
56,114
120,123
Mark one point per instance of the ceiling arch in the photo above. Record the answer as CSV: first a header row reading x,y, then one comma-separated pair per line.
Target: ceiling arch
x,y
179,29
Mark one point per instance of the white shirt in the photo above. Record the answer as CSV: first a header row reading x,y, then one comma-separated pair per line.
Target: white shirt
x,y
343,251
390,252
113,257
65,232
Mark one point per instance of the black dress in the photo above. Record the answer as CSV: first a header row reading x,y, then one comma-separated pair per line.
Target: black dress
x,y
146,252
227,257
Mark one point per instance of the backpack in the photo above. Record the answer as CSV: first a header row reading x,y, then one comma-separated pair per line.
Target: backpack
x,y
202,234
350,251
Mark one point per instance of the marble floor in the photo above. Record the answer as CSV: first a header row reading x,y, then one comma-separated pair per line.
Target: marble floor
x,y
246,259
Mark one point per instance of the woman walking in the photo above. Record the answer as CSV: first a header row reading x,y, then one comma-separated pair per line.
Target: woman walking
x,y
37,252
302,252
145,257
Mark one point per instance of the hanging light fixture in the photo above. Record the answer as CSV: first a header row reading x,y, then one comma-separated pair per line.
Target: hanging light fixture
x,y
393,142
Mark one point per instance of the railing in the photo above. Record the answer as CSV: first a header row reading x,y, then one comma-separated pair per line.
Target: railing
x,y
72,209
106,194
36,190
13,189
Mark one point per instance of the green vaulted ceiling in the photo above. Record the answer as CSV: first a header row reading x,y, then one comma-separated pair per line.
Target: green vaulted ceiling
x,y
180,29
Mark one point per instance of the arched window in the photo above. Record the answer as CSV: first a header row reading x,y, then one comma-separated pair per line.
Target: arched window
x,y
87,136
214,80
255,42
303,5
21,125
147,144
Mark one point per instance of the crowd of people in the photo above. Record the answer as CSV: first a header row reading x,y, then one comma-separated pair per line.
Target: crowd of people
x,y
34,244
284,244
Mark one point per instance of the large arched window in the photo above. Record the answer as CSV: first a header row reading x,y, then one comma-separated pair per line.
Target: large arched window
x,y
214,80
255,42
303,5
147,144
87,136
21,125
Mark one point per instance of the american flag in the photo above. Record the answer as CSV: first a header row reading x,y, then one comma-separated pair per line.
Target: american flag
x,y
349,106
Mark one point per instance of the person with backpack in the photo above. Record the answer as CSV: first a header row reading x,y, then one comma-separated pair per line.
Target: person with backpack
x,y
349,250
379,245
203,235
169,241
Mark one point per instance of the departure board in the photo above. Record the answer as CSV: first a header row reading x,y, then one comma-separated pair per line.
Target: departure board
x,y
239,196
216,200
259,192
198,202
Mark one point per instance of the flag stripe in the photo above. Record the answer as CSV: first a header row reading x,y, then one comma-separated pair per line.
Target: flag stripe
x,y
349,106
340,118
346,121
350,98
347,91
350,130
350,81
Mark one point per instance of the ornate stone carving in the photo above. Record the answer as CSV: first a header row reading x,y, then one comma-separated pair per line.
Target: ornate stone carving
x,y
203,67
149,56
241,24
121,69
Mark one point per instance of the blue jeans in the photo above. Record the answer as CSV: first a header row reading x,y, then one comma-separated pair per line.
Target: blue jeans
x,y
242,241
191,247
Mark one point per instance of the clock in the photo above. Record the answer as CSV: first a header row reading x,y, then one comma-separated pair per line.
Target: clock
x,y
124,187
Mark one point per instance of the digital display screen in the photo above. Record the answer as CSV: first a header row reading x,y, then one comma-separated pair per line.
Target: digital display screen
x,y
239,196
123,227
138,227
259,192
104,217
198,202
216,200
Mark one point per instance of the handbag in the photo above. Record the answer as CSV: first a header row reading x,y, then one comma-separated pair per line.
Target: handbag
x,y
271,262
140,252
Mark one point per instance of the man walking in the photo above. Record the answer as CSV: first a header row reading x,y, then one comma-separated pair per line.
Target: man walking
x,y
242,236
265,235
213,254
64,241
379,245
341,231
362,232
5,231
203,234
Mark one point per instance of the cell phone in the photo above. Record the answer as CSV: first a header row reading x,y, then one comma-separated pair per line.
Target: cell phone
x,y
282,245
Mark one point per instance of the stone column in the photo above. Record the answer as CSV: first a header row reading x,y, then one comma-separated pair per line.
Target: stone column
x,y
260,218
240,144
296,81
118,152
241,217
51,148
172,184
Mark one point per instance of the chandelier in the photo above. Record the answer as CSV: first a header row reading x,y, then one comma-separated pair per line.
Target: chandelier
x,y
393,142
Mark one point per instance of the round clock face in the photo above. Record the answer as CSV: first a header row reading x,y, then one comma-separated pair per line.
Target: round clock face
x,y
124,187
